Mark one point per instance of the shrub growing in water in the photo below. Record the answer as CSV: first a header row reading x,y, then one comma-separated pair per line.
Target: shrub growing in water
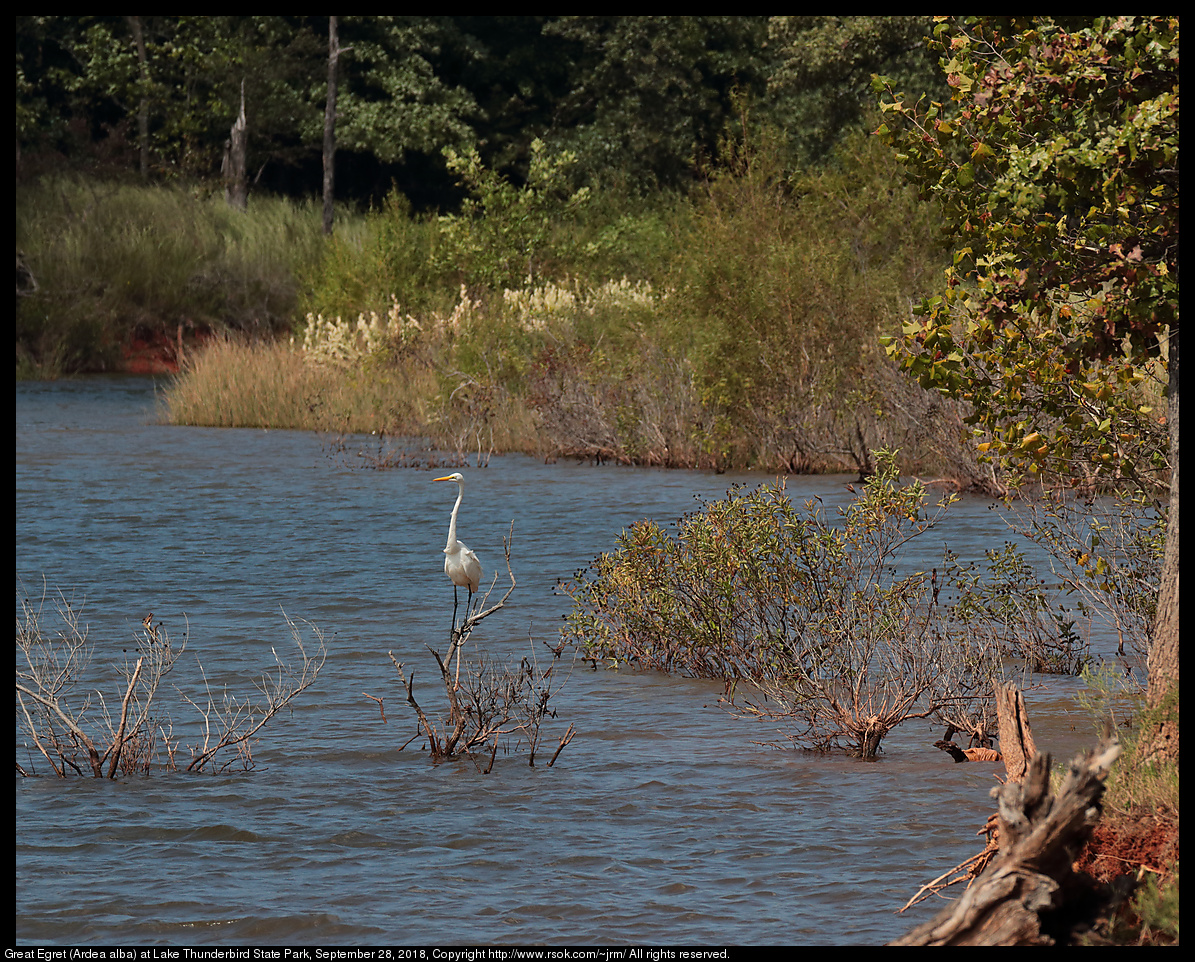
x,y
805,616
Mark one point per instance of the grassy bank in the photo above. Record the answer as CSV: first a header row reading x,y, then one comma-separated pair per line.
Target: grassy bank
x,y
734,327
1135,845
111,262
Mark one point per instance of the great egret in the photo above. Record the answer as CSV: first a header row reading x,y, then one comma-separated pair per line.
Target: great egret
x,y
460,564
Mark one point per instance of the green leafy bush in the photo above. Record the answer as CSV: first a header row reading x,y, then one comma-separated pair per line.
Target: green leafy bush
x,y
784,286
806,616
377,259
505,235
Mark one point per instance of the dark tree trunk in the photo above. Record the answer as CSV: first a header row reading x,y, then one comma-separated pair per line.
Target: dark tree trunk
x,y
330,123
236,177
143,99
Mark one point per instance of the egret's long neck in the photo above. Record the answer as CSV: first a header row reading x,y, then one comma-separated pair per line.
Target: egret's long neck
x,y
460,493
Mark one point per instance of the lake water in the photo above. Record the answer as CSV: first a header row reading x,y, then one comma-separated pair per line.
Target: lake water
x,y
665,821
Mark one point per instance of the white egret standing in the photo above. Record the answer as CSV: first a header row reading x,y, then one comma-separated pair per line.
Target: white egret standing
x,y
460,564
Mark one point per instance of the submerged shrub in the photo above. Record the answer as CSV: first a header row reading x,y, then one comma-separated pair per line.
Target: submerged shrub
x,y
806,616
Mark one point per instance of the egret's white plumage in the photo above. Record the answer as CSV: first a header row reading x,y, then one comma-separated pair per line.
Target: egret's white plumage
x,y
460,563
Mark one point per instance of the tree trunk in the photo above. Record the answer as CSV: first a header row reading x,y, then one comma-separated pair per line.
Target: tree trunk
x,y
1016,738
143,99
330,122
236,177
1160,741
1022,896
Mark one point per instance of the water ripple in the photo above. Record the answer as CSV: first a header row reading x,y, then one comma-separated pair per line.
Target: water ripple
x,y
665,821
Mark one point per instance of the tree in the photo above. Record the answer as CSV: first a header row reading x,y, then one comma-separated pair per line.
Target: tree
x,y
1056,166
236,175
330,124
518,72
820,86
143,99
174,85
504,234
392,98
651,95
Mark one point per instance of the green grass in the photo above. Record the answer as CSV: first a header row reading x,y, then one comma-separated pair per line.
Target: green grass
x,y
733,328
111,260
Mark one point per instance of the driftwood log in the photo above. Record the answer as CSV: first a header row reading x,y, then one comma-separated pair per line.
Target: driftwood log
x,y
1028,894
1016,739
969,754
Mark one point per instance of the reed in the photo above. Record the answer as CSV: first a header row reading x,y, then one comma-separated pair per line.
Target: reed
x,y
237,383
232,382
110,259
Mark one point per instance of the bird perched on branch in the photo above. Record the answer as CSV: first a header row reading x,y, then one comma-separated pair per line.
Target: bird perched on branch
x,y
460,563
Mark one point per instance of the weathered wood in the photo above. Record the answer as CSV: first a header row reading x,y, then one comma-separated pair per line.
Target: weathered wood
x,y
330,124
1016,738
1039,835
234,166
968,754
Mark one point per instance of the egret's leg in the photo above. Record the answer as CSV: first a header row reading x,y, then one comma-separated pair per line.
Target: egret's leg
x,y
456,638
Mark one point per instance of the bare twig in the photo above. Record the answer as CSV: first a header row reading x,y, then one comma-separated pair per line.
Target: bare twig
x,y
381,707
486,704
564,740
238,722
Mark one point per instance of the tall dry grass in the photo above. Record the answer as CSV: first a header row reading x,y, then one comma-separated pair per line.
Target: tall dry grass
x,y
232,382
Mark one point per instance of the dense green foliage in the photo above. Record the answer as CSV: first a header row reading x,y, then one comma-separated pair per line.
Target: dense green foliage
x,y
737,326
1056,163
504,235
821,83
789,283
642,102
813,616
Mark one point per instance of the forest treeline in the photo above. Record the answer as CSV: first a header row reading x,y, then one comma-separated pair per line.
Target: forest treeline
x,y
643,102
658,239
667,240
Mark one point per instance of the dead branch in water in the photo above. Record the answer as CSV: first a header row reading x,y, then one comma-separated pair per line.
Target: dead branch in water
x,y
487,705
57,709
1024,876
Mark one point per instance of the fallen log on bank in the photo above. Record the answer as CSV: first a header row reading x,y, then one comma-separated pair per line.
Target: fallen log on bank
x,y
1023,895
